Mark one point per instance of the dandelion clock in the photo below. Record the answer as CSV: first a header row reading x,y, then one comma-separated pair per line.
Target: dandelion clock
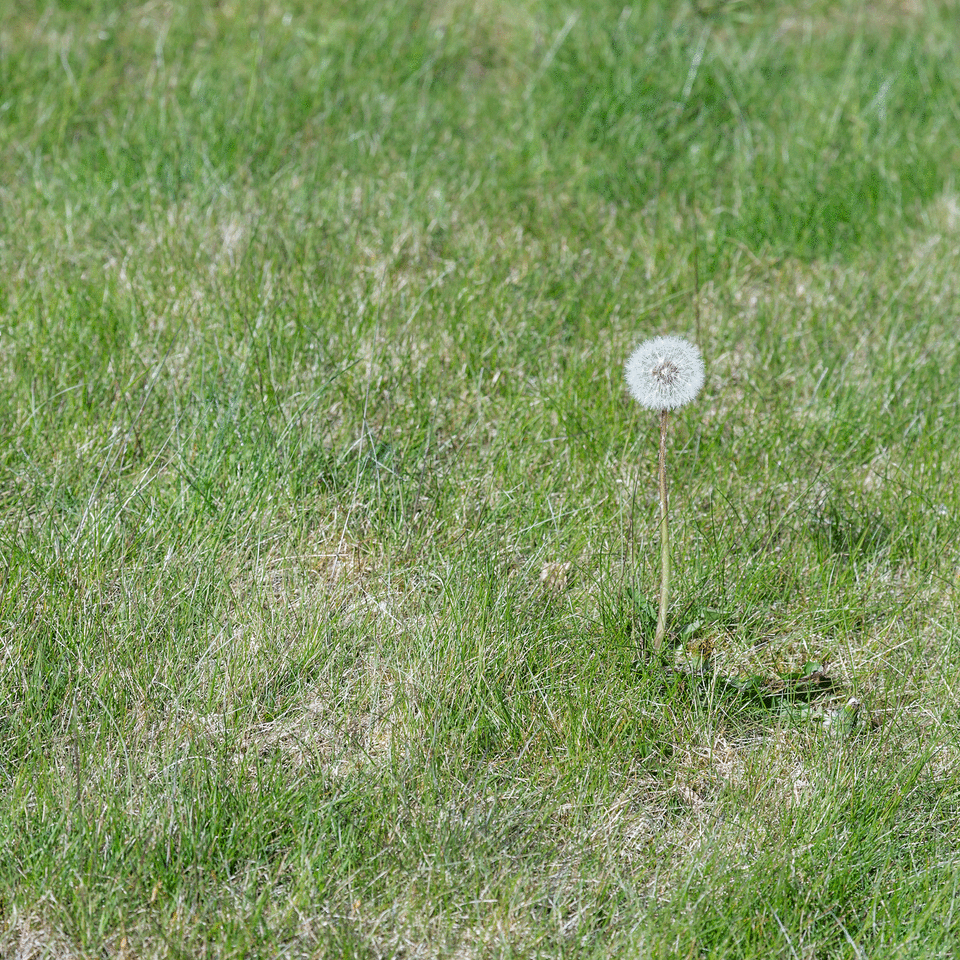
x,y
663,374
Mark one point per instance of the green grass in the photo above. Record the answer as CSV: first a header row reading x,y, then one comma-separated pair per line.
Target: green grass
x,y
329,530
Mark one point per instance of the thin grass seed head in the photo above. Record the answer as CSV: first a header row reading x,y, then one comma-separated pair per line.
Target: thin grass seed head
x,y
665,373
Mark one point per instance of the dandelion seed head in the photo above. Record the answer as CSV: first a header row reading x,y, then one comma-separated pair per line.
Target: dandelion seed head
x,y
665,373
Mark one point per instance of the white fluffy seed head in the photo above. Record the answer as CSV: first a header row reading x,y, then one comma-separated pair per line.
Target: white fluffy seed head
x,y
665,373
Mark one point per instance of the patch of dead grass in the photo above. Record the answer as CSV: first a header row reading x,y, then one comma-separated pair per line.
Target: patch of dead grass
x,y
818,19
28,937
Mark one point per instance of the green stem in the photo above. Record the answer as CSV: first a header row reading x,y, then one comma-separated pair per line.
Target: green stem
x,y
664,538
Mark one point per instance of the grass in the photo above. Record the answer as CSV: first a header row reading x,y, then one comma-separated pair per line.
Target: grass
x,y
328,527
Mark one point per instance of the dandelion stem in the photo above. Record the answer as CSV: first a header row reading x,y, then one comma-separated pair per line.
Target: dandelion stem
x,y
664,537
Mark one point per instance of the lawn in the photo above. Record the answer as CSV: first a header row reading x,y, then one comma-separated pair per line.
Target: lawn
x,y
329,530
